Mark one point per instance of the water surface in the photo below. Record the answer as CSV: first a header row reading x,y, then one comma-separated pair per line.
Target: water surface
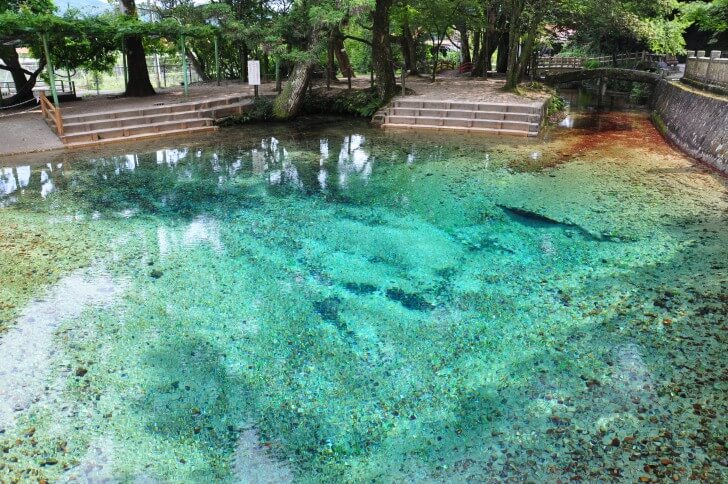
x,y
327,302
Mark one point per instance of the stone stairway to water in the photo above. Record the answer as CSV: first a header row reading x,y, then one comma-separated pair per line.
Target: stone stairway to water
x,y
96,128
463,117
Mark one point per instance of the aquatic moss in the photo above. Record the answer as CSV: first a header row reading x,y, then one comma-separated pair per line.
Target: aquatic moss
x,y
359,313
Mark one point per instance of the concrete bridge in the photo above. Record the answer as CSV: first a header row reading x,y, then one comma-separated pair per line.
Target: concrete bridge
x,y
602,73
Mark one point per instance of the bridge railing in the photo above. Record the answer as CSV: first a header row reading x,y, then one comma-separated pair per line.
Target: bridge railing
x,y
624,59
710,70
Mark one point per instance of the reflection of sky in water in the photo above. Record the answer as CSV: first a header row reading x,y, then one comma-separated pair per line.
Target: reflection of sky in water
x,y
353,159
202,230
8,184
334,163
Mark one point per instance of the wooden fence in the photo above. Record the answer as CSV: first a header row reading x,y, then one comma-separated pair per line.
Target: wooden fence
x,y
51,113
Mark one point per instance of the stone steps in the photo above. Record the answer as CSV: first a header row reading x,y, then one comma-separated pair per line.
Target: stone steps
x,y
142,137
462,116
120,122
146,128
466,114
453,122
160,109
149,122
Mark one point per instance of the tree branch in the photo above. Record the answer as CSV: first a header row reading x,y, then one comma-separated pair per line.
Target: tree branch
x,y
358,39
10,69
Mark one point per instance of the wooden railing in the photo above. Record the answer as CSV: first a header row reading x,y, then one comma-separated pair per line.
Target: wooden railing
x,y
546,63
52,113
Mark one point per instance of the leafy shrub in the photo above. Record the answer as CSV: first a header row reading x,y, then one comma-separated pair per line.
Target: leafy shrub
x,y
362,103
261,110
556,104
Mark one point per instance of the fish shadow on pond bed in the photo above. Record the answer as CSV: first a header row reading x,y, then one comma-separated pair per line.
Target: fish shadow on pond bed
x,y
413,302
528,217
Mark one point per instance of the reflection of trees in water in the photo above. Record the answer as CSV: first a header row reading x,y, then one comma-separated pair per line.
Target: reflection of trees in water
x,y
187,181
38,182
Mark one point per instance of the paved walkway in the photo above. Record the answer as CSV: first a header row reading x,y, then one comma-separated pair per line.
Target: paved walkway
x,y
26,133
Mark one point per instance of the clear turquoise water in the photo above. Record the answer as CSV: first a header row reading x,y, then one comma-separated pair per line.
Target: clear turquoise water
x,y
325,302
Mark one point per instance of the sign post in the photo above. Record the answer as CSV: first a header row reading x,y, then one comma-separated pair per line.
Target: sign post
x,y
254,75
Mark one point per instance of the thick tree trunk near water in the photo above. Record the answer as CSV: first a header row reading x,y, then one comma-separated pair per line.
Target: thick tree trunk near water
x,y
513,72
288,103
382,51
138,84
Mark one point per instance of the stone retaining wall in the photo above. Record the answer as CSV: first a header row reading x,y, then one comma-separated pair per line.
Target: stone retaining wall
x,y
696,122
710,71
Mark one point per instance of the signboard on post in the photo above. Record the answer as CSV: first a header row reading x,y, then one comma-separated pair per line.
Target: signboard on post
x,y
254,75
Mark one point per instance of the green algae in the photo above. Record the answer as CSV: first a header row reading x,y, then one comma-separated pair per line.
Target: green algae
x,y
359,307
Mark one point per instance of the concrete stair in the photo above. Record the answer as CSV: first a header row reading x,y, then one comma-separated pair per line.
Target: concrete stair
x,y
149,122
463,117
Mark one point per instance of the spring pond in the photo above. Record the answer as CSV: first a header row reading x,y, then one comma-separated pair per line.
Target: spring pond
x,y
325,302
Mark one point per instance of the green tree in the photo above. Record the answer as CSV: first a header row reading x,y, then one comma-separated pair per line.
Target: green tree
x,y
708,16
138,84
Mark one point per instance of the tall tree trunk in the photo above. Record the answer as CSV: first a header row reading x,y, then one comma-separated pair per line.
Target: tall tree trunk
x,y
513,72
488,53
464,43
408,61
476,44
480,68
244,61
435,56
382,51
24,92
527,52
342,56
138,84
330,72
501,63
10,58
409,49
491,46
198,65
